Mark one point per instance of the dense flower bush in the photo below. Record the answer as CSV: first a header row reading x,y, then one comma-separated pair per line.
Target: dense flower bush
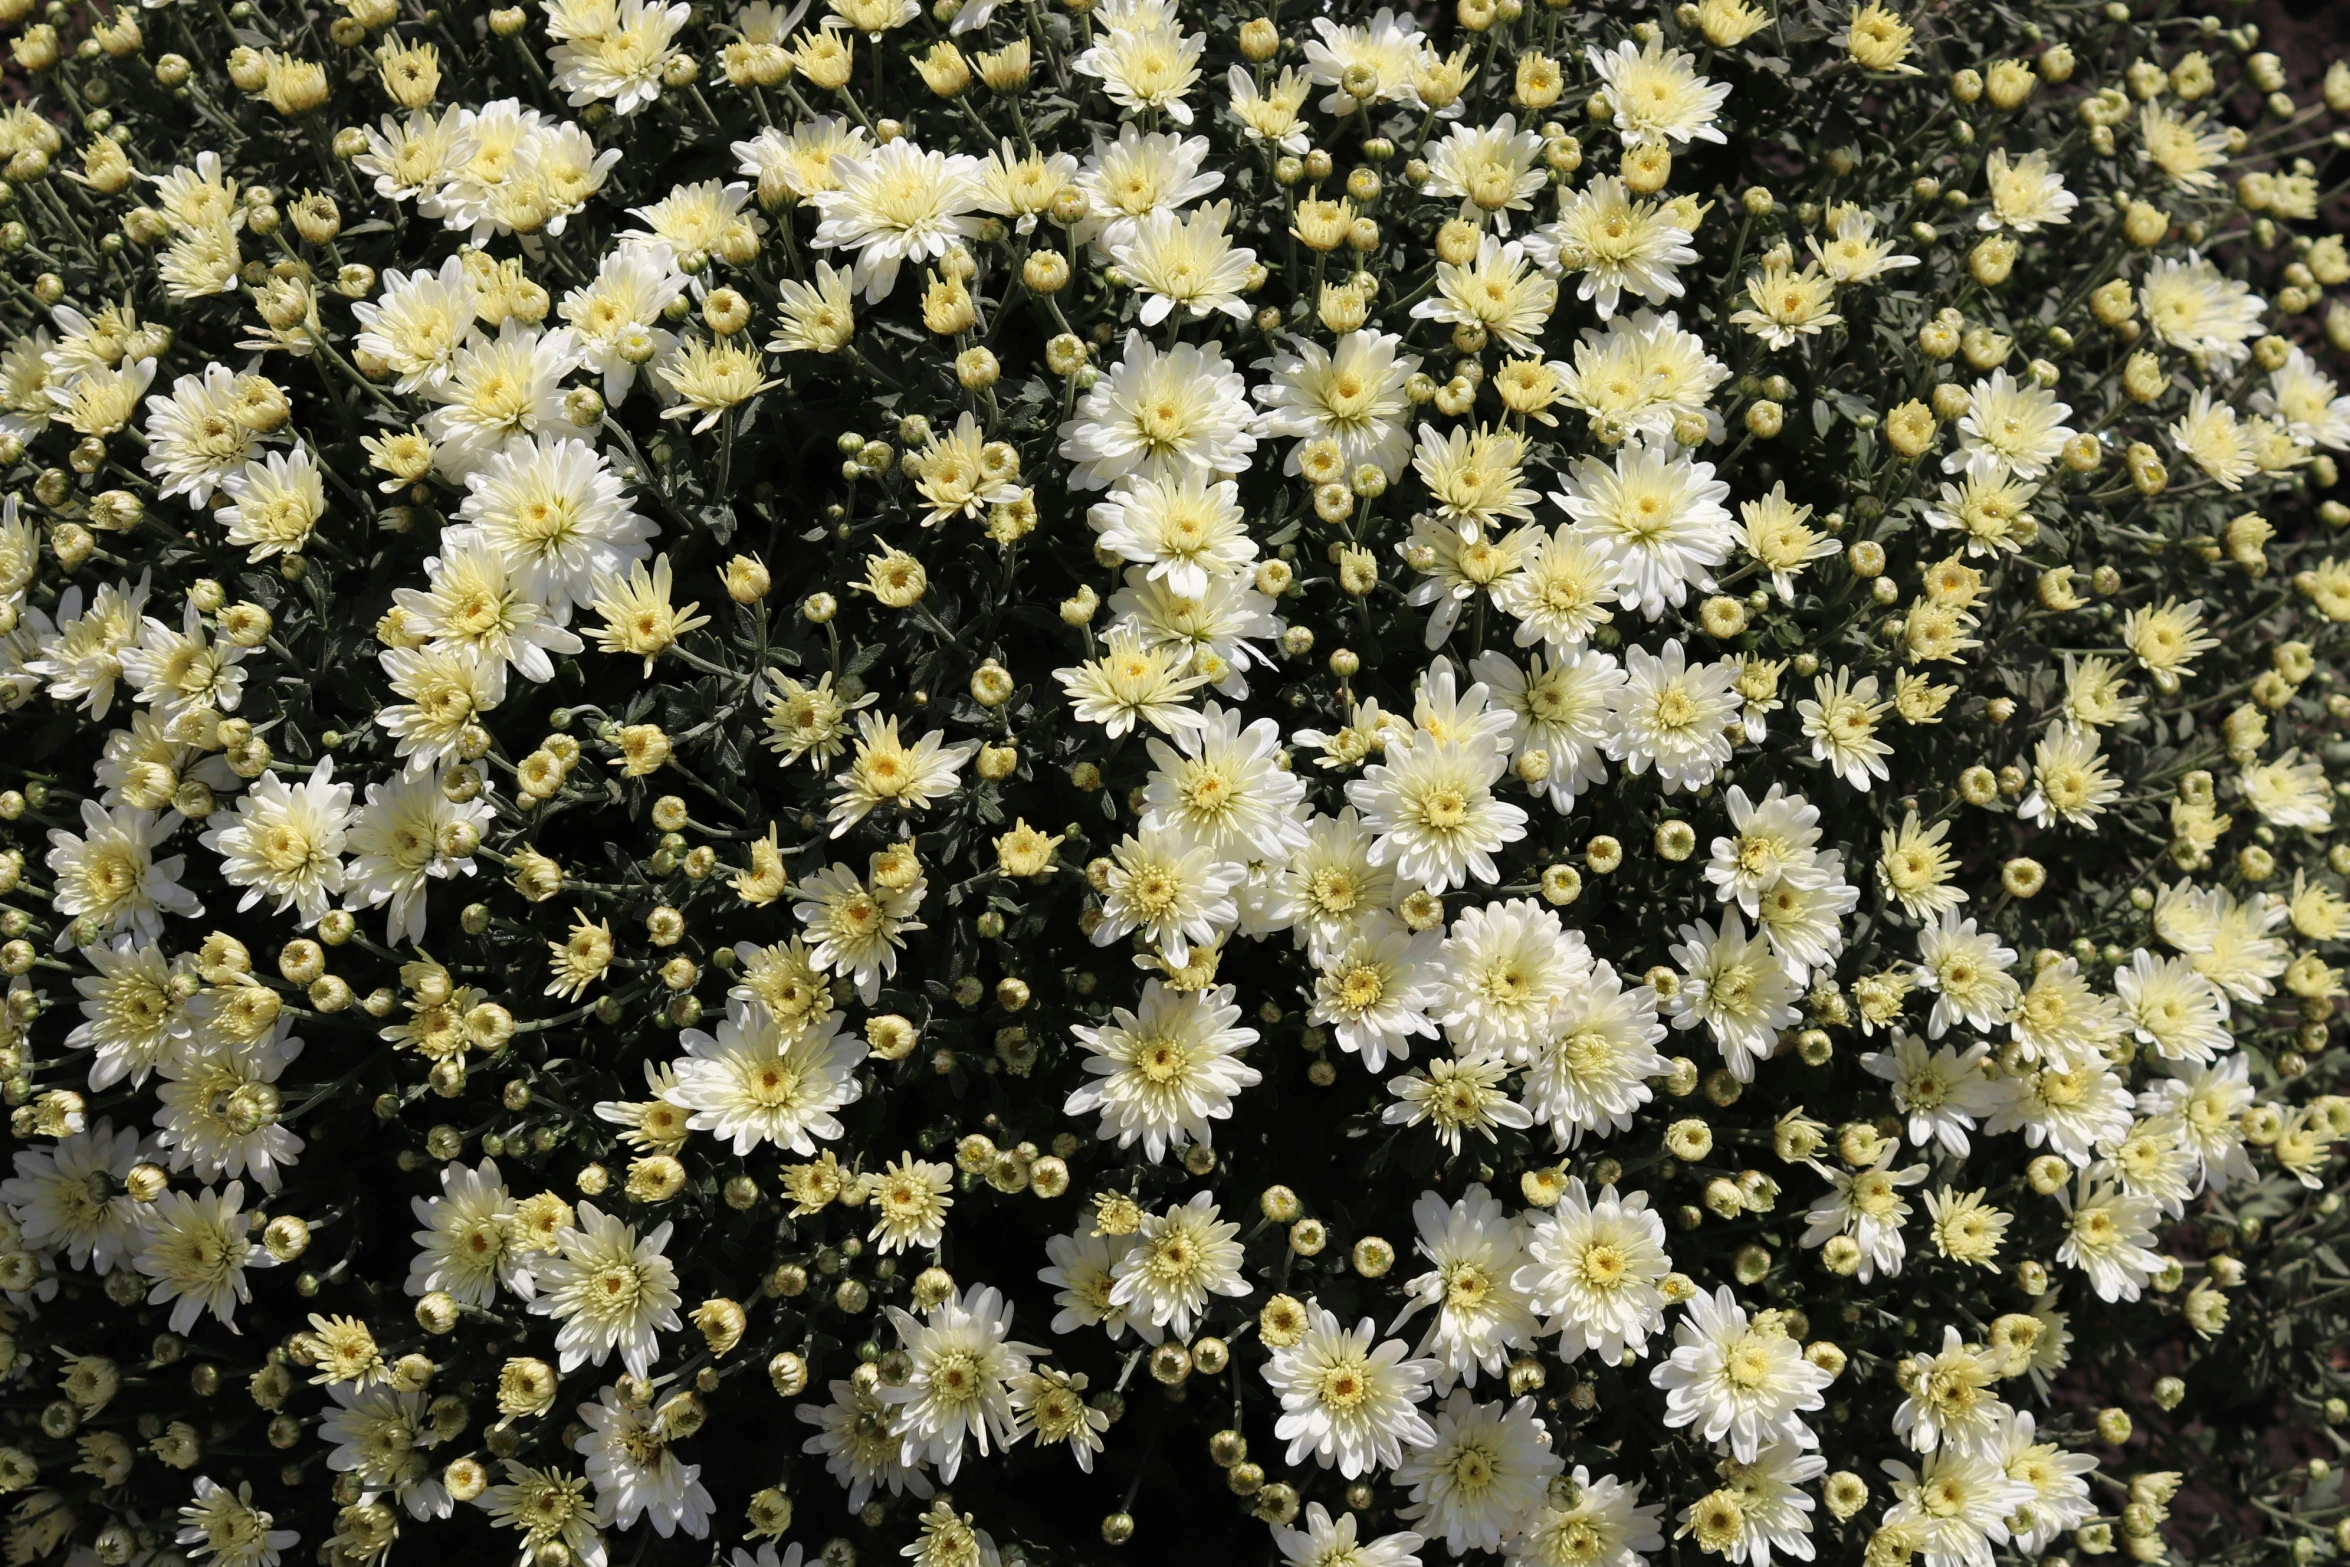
x,y
1132,780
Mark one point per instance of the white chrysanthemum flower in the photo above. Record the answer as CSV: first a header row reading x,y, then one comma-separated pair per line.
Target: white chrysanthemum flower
x,y
1214,636
1221,786
1620,244
1737,1379
1867,1205
618,314
1187,262
379,1437
1602,1524
2193,306
1505,966
857,1437
447,688
1336,1542
183,671
1642,376
1174,889
1657,96
1351,393
1179,1258
559,515
1594,1271
134,1015
1502,290
108,878
2291,791
2009,426
1126,180
754,1083
83,660
1165,1070
417,322
1560,593
498,388
1967,971
1492,170
608,1291
1773,840
1943,1092
897,204
286,841
2025,194
467,1248
2058,1500
476,598
910,1201
218,1100
1432,813
1805,924
622,64
227,1530
1561,708
1083,1273
1681,719
1348,1398
197,1249
1736,988
1133,681
1185,529
1954,1506
1840,721
69,1197
2209,1102
886,771
1339,892
1467,1092
2071,1102
194,437
1389,48
957,1389
2109,1235
2173,1009
857,929
1144,59
1487,1468
1482,1314
1587,1069
636,1473
408,835
2304,399
2157,1161
1161,413
1375,994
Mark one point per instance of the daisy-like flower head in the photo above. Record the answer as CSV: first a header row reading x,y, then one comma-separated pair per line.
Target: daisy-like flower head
x,y
1593,1272
897,204
1161,413
1165,1070
1598,1521
609,1291
857,926
1502,290
1942,1091
2009,426
1967,971
1736,988
559,515
1220,786
1678,718
1488,1467
2070,782
1738,1379
2191,305
1376,993
69,1197
286,841
1351,393
1179,1259
1184,529
1488,169
958,1390
1481,1313
1657,95
465,1247
2025,194
1432,814
198,1249
108,879
1144,60
1658,514
1338,1542
755,1082
1840,720
1506,966
1134,681
885,771
1348,1398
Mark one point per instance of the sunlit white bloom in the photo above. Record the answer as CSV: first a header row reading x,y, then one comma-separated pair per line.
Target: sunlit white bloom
x,y
636,1470
897,204
1594,1270
1432,813
1351,393
68,1197
1488,1466
1680,718
1375,994
1163,1072
1942,1091
466,1247
107,878
1866,1204
1349,1398
756,1083
1734,987
2110,1237
1738,1380
286,841
609,1291
1160,413
1178,1260
957,1391
1474,1248
1967,970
